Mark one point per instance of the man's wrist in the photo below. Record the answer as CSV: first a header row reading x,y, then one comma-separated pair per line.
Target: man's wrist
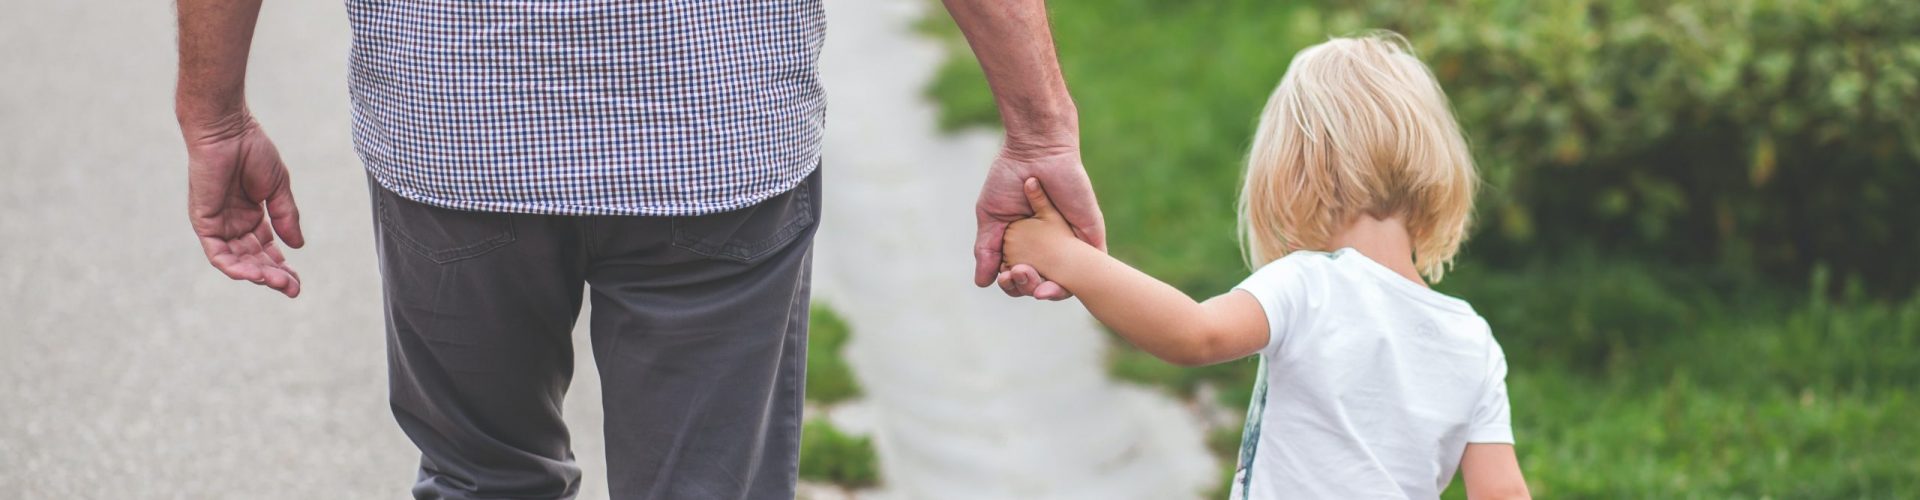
x,y
1043,131
1032,145
199,123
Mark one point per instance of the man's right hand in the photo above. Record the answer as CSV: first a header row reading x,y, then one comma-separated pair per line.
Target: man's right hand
x,y
239,198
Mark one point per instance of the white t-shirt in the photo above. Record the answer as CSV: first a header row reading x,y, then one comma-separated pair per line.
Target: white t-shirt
x,y
1370,385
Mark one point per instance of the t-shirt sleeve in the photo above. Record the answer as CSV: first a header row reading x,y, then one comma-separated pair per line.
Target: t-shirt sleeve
x,y
1491,423
1281,289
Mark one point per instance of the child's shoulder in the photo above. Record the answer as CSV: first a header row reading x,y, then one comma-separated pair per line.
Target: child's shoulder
x,y
1301,261
1301,274
1347,271
1304,266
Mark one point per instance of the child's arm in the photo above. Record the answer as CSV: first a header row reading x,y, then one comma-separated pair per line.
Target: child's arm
x,y
1492,472
1147,312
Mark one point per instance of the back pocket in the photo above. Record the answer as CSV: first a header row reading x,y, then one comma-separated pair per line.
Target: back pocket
x,y
440,234
747,234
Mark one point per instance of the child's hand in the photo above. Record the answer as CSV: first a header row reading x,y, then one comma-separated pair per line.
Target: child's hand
x,y
1040,240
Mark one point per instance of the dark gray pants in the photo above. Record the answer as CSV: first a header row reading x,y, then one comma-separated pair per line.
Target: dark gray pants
x,y
699,329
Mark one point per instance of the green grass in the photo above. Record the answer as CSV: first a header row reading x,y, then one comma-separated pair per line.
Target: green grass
x,y
829,379
827,455
1583,438
1718,398
1630,378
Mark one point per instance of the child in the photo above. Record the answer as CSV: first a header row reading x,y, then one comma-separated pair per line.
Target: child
x,y
1371,384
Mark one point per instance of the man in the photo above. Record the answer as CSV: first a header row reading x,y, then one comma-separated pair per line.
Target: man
x,y
664,154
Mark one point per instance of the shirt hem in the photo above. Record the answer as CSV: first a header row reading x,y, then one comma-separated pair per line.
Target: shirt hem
x,y
735,203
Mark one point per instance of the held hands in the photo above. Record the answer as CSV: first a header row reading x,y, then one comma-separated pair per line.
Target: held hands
x,y
1040,241
1004,200
239,198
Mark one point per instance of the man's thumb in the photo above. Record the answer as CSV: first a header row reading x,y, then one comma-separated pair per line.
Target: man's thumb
x,y
1037,197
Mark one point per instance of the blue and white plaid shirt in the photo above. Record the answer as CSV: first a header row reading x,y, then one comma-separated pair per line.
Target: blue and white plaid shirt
x,y
588,107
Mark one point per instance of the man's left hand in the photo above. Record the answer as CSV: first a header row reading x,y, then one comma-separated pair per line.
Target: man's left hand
x,y
1003,200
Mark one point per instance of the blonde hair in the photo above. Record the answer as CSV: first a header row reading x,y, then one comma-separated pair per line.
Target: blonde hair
x,y
1357,126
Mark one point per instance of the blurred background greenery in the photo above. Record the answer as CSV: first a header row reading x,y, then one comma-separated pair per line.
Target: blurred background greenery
x,y
827,454
1692,240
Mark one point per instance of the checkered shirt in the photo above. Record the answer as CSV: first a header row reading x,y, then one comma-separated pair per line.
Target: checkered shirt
x,y
587,107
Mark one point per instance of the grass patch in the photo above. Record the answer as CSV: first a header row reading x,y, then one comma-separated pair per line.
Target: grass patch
x,y
827,455
829,379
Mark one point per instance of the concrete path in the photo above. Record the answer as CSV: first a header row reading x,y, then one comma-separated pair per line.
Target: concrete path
x,y
971,395
131,369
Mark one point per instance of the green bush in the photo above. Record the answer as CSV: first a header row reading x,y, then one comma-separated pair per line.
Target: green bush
x,y
1758,134
826,455
829,379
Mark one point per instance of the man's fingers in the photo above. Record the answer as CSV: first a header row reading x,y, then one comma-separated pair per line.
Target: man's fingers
x,y
238,269
1020,280
262,233
273,252
1005,280
1028,282
274,274
285,214
1037,198
1089,235
1091,228
1069,190
282,279
245,259
1050,291
1024,278
220,254
986,250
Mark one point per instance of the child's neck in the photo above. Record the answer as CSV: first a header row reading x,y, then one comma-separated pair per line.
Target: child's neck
x,y
1385,241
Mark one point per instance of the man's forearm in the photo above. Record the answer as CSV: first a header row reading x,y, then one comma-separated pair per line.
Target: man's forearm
x,y
1015,48
214,38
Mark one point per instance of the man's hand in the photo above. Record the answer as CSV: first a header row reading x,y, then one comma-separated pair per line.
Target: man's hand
x,y
1003,200
1014,45
239,198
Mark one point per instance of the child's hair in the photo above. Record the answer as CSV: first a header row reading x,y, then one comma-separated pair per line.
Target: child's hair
x,y
1357,126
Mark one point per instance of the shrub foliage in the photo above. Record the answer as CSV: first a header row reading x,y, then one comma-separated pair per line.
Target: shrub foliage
x,y
1764,134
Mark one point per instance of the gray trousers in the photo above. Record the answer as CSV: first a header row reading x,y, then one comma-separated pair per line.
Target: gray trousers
x,y
699,329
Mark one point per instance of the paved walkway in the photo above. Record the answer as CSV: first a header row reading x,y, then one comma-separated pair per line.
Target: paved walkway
x,y
131,369
971,395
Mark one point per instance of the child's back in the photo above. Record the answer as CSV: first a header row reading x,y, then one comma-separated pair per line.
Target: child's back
x,y
1371,385
1359,191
